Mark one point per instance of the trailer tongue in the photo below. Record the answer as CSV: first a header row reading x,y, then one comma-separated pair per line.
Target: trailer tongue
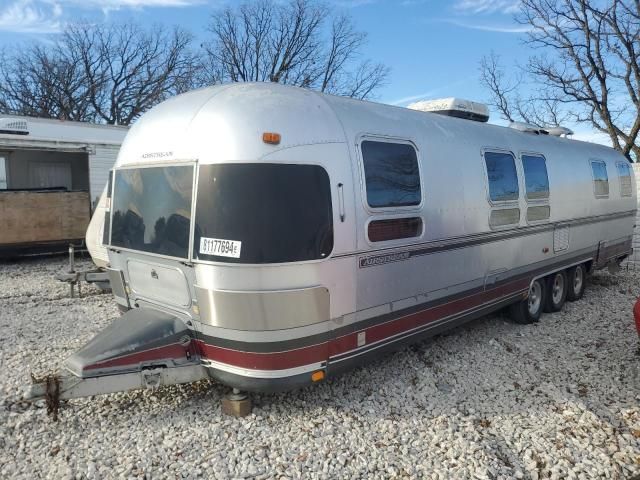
x,y
142,349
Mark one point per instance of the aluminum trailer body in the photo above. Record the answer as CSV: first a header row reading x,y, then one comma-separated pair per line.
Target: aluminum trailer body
x,y
297,234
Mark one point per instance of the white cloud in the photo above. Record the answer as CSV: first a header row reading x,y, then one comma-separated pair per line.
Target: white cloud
x,y
491,27
448,90
46,16
352,3
24,16
488,6
116,4
588,135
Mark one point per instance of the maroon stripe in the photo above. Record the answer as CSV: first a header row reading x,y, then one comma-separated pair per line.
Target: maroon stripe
x,y
320,352
266,361
381,332
174,350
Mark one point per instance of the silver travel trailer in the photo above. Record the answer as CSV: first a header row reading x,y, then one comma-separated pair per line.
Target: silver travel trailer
x,y
270,237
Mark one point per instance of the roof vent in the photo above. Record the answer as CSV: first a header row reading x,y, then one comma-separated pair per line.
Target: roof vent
x,y
527,127
13,126
558,131
454,107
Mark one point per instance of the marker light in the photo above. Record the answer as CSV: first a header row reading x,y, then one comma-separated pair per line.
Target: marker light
x,y
271,137
317,375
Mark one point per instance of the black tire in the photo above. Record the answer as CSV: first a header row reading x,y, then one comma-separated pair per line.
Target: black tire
x,y
557,286
529,310
576,282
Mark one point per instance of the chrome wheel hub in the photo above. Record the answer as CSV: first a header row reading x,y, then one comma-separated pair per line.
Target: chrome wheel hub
x,y
535,298
578,278
557,289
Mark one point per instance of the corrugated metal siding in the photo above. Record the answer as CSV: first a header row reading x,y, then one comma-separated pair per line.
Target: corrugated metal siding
x,y
99,165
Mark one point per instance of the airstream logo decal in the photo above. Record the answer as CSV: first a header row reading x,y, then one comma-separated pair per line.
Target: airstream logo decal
x,y
381,259
157,155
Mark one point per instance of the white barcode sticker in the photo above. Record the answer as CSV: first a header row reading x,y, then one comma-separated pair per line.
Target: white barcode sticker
x,y
220,247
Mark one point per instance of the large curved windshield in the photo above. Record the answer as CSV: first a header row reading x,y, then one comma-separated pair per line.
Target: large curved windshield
x,y
263,213
152,209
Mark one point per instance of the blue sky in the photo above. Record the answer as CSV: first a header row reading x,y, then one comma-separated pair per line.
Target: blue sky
x,y
432,46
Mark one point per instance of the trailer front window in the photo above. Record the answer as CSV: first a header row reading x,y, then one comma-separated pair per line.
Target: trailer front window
x,y
263,213
152,209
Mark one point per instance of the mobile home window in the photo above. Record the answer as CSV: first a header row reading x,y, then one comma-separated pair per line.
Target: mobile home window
x,y
391,174
600,178
624,172
503,179
535,177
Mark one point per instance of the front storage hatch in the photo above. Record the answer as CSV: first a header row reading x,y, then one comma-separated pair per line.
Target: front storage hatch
x,y
159,283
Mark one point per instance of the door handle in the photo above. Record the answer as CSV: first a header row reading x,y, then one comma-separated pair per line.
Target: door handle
x,y
341,201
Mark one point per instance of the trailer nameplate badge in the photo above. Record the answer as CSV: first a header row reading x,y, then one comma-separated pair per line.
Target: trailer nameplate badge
x,y
220,247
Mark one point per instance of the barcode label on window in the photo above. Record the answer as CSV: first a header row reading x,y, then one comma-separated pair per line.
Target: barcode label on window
x,y
220,247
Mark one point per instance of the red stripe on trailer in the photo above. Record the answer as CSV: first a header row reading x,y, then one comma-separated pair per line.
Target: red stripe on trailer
x,y
266,361
403,324
320,352
175,350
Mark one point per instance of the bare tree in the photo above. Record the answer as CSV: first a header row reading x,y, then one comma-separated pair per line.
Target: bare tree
x,y
130,69
37,82
297,43
105,73
538,108
587,68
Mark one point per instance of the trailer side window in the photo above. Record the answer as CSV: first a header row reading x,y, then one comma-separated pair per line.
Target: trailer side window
x,y
394,229
503,179
600,178
391,174
624,173
535,177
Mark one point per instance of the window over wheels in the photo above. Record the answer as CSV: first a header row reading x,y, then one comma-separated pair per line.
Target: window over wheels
x,y
502,176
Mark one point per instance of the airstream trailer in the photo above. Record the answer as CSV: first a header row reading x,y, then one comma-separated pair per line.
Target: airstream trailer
x,y
269,237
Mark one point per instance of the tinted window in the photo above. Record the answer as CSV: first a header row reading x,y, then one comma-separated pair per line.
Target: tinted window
x,y
152,209
503,179
267,213
394,229
624,172
391,174
600,178
535,176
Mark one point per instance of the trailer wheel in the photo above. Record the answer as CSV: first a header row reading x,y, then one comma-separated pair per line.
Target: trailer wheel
x,y
529,310
577,281
557,286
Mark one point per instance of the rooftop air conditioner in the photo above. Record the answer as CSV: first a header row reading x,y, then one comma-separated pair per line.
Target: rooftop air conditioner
x,y
454,107
14,127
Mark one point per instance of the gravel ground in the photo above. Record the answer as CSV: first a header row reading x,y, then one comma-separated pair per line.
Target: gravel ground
x,y
560,399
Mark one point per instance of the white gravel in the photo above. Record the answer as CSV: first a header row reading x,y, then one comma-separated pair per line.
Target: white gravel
x,y
560,399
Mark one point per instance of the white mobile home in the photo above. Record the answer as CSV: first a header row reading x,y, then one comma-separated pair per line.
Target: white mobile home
x,y
55,170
